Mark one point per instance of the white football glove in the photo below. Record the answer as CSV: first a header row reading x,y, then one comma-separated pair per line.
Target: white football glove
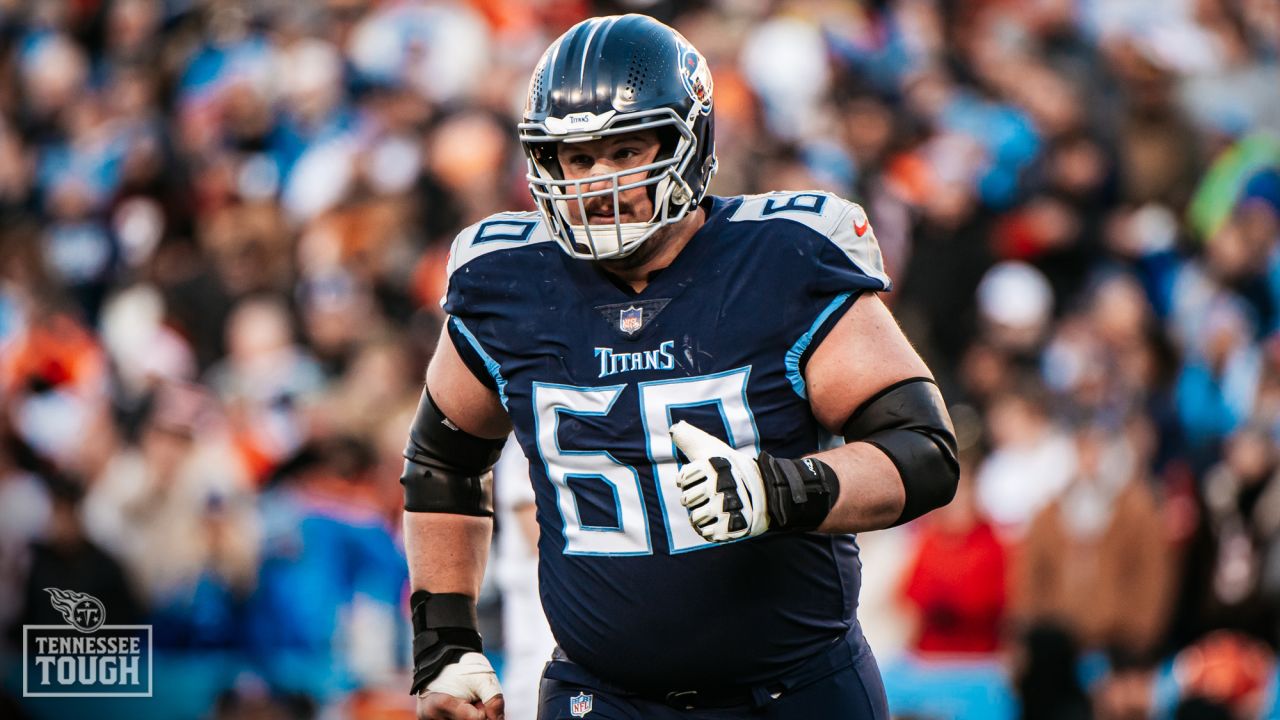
x,y
471,678
721,487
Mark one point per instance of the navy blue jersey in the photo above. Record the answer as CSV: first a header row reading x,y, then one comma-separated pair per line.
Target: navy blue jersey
x,y
593,376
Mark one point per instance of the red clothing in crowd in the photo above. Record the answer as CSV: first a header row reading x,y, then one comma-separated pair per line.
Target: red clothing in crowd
x,y
957,582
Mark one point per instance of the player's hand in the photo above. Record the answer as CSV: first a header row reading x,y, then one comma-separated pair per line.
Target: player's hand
x,y
464,690
721,487
439,706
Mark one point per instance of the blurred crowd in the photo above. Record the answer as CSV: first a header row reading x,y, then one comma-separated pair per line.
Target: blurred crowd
x,y
223,227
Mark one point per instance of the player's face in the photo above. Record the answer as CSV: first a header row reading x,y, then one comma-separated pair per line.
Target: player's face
x,y
610,155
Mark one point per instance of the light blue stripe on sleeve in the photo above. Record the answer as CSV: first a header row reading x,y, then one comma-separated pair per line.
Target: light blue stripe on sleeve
x,y
792,361
495,370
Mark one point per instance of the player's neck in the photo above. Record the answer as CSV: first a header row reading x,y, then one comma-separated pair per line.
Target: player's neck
x,y
662,251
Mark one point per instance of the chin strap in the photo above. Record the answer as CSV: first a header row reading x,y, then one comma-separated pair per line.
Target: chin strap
x,y
626,237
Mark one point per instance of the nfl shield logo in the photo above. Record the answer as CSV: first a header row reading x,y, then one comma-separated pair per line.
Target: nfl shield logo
x,y
631,319
580,705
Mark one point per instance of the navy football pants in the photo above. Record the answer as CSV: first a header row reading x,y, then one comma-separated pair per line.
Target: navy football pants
x,y
842,684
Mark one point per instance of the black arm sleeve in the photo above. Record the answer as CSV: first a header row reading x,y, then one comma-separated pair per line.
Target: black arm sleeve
x,y
446,469
908,421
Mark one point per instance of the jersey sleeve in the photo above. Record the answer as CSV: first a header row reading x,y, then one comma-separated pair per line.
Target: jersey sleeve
x,y
848,265
851,261
477,295
838,260
840,248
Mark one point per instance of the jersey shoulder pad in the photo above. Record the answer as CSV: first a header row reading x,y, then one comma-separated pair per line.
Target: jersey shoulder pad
x,y
501,231
843,223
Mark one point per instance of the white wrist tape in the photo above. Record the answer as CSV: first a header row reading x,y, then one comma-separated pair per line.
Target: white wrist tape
x,y
471,678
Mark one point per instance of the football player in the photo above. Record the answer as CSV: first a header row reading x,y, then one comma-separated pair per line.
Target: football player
x,y
671,362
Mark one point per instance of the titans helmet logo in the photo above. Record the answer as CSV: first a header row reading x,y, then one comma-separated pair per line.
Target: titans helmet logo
x,y
82,611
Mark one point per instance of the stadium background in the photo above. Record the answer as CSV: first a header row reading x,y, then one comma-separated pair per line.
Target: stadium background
x,y
223,226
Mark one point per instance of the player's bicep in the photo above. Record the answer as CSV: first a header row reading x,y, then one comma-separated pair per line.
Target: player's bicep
x,y
864,353
461,397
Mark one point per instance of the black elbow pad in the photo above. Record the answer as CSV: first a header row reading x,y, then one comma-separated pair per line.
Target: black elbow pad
x,y
446,469
908,421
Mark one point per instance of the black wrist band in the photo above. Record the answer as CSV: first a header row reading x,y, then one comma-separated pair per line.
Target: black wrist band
x,y
444,629
800,492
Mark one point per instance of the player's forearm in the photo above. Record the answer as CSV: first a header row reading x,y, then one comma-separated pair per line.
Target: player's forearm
x,y
871,492
446,553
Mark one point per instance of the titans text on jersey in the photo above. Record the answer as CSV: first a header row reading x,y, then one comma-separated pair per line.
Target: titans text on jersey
x,y
594,374
613,362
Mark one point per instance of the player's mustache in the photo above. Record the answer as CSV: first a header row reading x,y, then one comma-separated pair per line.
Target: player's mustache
x,y
604,206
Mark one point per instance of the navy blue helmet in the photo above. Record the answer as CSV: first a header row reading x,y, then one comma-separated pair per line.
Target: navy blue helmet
x,y
608,76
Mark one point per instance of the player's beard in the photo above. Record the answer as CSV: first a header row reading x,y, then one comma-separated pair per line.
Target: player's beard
x,y
624,210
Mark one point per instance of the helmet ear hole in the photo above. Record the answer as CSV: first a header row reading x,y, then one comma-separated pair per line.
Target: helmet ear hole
x,y
668,141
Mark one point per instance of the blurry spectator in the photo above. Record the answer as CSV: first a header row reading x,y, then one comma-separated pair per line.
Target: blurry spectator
x,y
1226,579
1045,674
379,379
1101,539
26,509
130,31
1241,254
67,559
1198,708
1128,690
1218,383
465,154
355,270
53,71
441,49
252,701
191,499
77,247
783,58
339,314
1112,358
956,579
1015,304
1225,89
387,440
1080,362
1254,227
249,248
1159,148
54,378
950,252
1031,460
332,582
265,381
1227,671
144,349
